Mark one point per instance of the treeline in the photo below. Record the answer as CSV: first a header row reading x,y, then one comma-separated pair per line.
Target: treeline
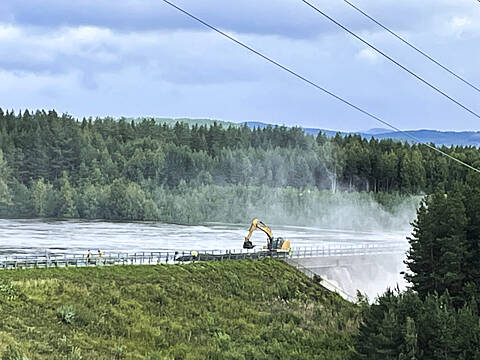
x,y
187,204
46,145
438,318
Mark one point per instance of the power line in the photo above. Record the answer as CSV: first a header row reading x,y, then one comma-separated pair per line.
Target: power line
x,y
418,77
318,87
451,72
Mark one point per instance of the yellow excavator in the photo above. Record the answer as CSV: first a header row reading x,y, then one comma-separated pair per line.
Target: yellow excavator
x,y
273,244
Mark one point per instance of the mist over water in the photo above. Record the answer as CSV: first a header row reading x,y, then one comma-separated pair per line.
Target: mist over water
x,y
345,211
359,211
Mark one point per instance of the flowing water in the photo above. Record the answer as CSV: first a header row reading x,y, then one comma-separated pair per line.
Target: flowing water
x,y
35,236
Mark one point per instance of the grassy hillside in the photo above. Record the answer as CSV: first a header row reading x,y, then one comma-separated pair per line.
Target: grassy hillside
x,y
229,310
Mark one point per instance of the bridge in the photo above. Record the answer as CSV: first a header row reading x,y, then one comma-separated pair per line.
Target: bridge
x,y
340,268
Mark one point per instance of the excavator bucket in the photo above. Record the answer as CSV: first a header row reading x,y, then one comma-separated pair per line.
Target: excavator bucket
x,y
248,244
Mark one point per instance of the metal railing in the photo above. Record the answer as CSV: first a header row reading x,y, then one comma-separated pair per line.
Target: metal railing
x,y
174,257
349,250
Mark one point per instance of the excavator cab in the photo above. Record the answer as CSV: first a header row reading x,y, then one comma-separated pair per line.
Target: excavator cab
x,y
279,244
273,244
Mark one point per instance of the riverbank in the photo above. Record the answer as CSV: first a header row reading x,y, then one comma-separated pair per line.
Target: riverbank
x,y
229,310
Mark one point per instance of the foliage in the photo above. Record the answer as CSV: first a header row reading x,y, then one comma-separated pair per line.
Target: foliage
x,y
228,310
403,326
193,204
154,172
444,247
8,292
5,195
66,313
438,318
69,168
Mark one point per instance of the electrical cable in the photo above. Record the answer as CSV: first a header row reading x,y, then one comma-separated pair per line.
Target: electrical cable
x,y
318,87
436,62
441,92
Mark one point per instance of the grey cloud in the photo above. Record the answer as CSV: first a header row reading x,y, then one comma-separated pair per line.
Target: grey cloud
x,y
290,18
88,57
180,57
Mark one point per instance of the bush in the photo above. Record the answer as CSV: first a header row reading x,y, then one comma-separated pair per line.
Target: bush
x,y
9,293
66,313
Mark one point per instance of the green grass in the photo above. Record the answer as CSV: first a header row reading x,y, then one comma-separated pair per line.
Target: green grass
x,y
229,310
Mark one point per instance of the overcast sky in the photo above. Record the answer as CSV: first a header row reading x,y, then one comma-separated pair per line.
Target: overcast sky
x,y
143,58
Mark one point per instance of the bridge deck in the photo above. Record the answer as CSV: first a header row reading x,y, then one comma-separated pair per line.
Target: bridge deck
x,y
175,257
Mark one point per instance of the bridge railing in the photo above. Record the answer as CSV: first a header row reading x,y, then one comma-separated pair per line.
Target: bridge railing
x,y
50,259
349,250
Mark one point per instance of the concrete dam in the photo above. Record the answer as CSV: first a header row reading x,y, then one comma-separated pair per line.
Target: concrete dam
x,y
371,274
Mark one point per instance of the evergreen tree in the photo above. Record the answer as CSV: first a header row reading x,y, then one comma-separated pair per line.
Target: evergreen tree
x,y
410,346
438,246
389,337
471,265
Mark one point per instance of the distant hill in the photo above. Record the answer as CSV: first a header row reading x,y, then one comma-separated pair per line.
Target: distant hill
x,y
448,138
376,131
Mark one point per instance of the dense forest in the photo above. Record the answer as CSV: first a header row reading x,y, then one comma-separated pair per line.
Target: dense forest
x,y
57,166
438,317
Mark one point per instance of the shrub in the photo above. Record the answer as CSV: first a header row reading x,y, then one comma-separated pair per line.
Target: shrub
x,y
9,293
66,313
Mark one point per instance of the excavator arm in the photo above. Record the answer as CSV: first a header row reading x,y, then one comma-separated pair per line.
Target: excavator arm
x,y
257,224
273,244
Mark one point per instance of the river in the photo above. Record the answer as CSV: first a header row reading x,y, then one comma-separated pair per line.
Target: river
x,y
35,236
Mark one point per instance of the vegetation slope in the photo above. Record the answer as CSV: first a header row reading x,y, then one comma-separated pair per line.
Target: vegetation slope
x,y
439,316
229,310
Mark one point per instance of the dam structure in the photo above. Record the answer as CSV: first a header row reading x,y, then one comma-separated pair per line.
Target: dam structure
x,y
369,273
369,268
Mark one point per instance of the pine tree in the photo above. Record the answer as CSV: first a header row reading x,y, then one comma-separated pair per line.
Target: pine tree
x,y
471,265
438,245
389,337
437,323
410,341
